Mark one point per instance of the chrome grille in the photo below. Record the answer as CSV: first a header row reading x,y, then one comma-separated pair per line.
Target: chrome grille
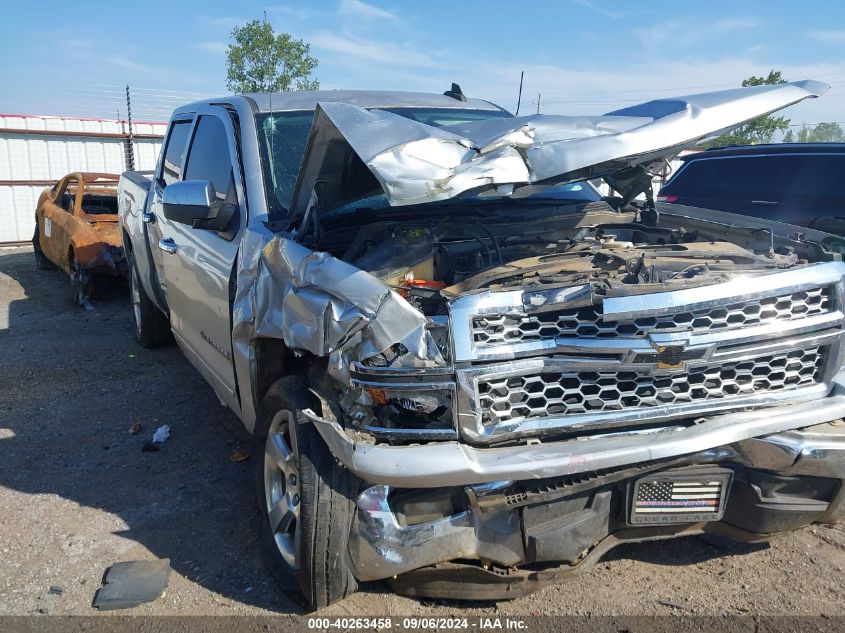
x,y
588,322
545,394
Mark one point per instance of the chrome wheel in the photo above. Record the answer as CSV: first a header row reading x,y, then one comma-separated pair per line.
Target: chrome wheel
x,y
281,486
136,300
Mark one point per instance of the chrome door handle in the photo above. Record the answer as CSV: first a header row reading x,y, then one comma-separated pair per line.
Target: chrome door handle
x,y
148,218
167,245
765,203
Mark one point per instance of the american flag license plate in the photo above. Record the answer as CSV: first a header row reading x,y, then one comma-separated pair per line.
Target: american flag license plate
x,y
677,498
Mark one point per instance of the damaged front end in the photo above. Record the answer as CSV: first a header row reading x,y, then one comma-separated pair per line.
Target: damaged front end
x,y
512,374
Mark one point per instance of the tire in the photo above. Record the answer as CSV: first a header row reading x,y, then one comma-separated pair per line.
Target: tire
x,y
152,327
306,546
41,260
81,284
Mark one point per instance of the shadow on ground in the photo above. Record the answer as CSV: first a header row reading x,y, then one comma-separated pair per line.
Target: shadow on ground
x,y
74,382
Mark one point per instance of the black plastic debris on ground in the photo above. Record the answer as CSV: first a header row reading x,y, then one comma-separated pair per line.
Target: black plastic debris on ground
x,y
131,583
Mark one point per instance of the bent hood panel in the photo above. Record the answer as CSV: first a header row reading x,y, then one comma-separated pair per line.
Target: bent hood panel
x,y
416,163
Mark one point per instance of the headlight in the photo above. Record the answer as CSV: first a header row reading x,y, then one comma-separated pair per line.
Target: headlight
x,y
412,404
422,407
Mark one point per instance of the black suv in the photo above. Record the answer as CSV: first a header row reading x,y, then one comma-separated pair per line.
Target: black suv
x,y
797,183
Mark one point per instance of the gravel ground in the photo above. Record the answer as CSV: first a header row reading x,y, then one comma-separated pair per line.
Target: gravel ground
x,y
78,494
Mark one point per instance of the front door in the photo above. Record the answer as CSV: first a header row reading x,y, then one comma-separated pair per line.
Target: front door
x,y
170,170
199,264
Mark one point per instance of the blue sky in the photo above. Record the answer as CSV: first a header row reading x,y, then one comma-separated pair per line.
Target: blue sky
x,y
582,56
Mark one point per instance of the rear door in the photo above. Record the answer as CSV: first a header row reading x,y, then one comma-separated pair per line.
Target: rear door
x,y
44,220
55,221
199,264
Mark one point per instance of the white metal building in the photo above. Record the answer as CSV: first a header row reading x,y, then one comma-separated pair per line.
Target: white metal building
x,y
35,151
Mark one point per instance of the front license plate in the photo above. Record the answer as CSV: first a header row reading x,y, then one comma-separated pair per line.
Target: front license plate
x,y
678,497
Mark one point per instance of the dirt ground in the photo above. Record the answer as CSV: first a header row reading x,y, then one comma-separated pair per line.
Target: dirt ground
x,y
77,493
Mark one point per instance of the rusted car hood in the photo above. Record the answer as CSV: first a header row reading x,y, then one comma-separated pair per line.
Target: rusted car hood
x,y
415,163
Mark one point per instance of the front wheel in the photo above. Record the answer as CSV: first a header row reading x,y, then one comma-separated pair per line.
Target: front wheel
x,y
305,499
81,284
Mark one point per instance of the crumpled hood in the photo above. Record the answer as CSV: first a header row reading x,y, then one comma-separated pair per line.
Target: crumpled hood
x,y
415,163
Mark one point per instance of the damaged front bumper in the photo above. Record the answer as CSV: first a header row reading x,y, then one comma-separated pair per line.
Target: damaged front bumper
x,y
102,259
512,535
489,522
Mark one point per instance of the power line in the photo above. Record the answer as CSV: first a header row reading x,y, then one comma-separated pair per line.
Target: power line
x,y
149,97
813,124
144,89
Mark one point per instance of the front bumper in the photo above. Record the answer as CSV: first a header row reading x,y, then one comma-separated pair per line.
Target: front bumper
x,y
102,258
498,532
442,464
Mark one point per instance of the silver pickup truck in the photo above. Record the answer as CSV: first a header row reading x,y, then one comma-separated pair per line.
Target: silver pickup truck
x,y
465,371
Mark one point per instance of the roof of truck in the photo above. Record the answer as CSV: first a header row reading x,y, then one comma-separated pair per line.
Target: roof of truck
x,y
308,99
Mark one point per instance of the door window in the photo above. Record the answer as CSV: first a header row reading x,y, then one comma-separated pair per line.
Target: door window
x,y
731,178
208,159
816,176
65,199
174,155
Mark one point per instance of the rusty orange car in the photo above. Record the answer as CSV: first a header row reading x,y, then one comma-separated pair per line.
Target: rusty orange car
x,y
76,229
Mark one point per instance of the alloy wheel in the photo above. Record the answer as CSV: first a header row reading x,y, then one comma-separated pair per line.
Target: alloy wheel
x,y
281,486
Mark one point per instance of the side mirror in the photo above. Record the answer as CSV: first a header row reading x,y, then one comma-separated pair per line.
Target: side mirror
x,y
194,202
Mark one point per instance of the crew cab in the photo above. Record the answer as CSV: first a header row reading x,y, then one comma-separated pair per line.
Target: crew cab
x,y
464,372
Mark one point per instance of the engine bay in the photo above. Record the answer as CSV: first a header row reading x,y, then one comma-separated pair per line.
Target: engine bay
x,y
430,260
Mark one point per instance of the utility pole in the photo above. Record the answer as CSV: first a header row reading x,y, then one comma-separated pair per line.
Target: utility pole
x,y
538,105
519,98
130,150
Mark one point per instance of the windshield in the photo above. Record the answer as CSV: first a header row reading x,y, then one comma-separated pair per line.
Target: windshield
x,y
562,195
282,137
571,192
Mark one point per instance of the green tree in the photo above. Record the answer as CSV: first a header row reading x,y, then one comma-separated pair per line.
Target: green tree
x,y
804,134
789,137
827,133
261,60
760,130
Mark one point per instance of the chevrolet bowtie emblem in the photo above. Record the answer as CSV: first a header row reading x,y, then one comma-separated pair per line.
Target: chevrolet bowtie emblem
x,y
670,356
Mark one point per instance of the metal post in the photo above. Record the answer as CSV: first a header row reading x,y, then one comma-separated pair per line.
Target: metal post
x,y
130,150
